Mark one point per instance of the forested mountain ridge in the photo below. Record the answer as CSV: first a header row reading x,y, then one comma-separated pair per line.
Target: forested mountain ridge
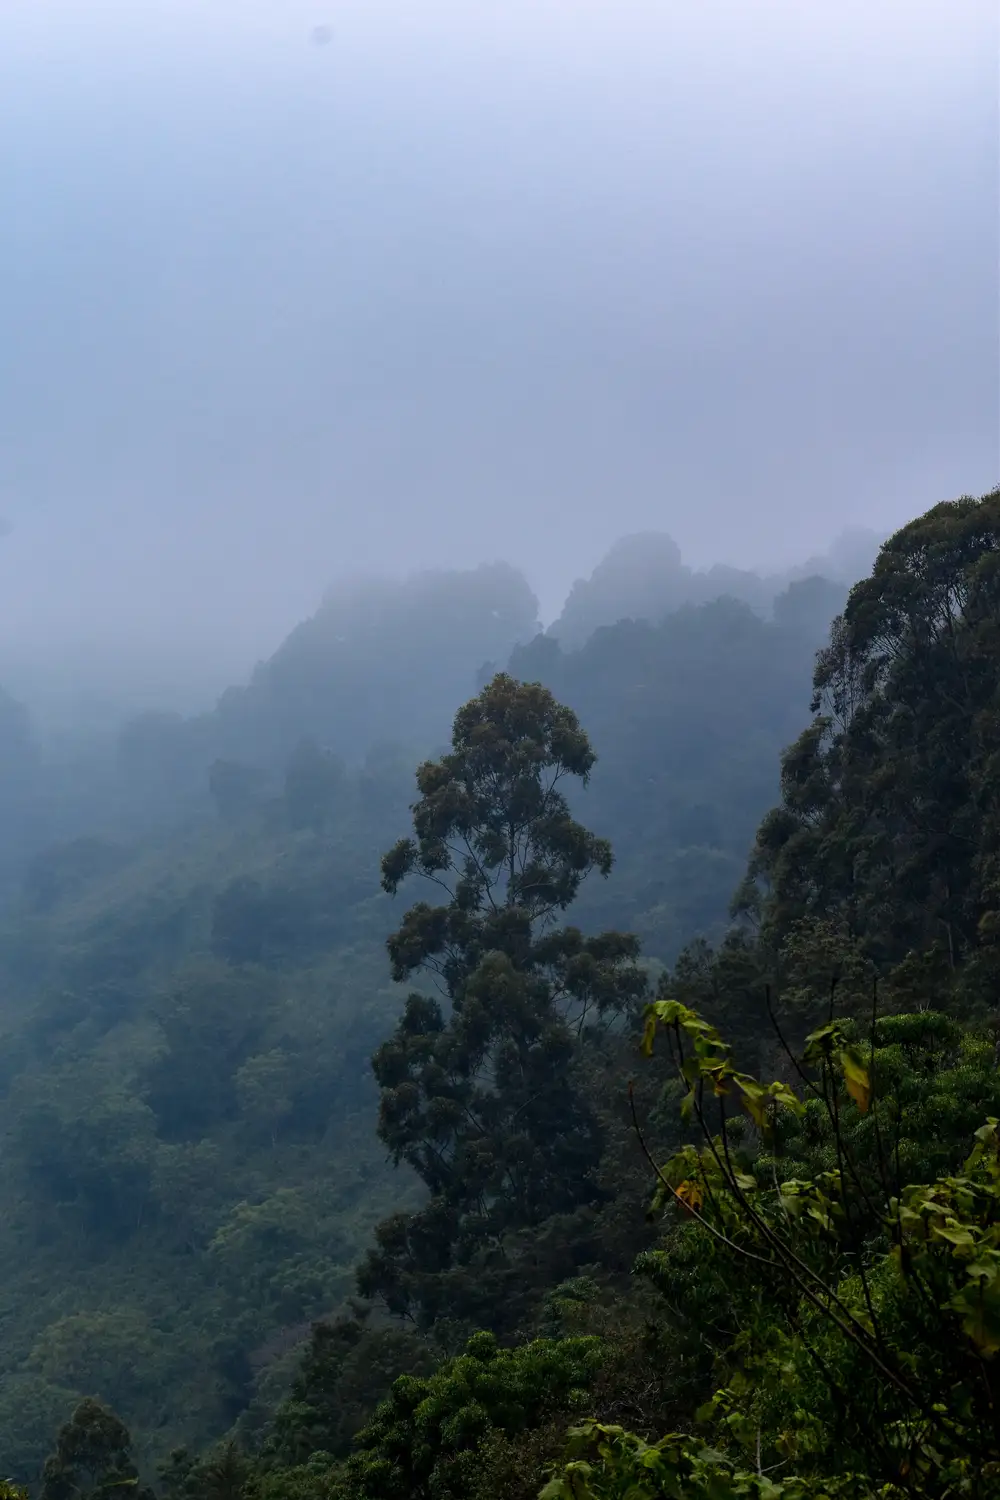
x,y
822,1307
644,577
688,718
378,654
190,1009
870,883
888,821
376,671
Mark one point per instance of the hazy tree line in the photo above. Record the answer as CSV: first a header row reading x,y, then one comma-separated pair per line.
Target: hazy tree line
x,y
681,1197
376,672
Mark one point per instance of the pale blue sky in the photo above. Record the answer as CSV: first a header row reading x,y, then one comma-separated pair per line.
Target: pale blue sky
x,y
493,278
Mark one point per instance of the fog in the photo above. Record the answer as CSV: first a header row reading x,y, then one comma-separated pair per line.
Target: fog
x,y
294,290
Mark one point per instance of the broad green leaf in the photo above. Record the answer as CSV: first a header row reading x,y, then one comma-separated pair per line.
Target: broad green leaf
x,y
979,1309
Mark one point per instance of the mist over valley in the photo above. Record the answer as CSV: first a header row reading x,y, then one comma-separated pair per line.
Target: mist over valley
x,y
499,837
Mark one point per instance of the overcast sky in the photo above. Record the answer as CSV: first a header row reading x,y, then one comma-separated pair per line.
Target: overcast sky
x,y
290,288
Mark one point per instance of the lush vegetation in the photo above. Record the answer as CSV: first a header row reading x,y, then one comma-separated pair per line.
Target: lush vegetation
x,y
635,1198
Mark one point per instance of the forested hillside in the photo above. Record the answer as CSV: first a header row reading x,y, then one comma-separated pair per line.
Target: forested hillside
x,y
644,576
195,981
376,1138
373,676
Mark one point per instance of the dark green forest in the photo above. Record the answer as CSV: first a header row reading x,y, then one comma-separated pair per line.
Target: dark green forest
x,y
598,1098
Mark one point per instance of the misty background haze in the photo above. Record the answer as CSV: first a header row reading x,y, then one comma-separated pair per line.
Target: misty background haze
x,y
360,357
297,291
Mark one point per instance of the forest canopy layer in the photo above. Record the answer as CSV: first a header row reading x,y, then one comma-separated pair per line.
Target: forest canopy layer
x,y
607,1133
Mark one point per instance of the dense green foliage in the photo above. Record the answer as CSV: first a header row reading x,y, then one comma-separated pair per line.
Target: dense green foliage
x,y
887,830
93,1455
484,1102
194,981
190,1169
862,1302
833,1238
423,1440
782,1251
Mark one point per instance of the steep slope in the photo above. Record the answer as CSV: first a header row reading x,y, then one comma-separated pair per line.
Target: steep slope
x,y
191,1168
888,829
189,1165
688,718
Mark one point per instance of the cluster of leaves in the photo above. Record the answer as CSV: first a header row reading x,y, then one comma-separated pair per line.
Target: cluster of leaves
x,y
605,1462
423,1440
93,1455
855,1311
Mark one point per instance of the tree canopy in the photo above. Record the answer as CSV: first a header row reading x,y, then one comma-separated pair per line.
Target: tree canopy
x,y
756,1261
478,1092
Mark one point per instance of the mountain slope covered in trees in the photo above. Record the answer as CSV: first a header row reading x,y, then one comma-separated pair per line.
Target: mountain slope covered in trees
x,y
720,1215
816,1309
192,995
